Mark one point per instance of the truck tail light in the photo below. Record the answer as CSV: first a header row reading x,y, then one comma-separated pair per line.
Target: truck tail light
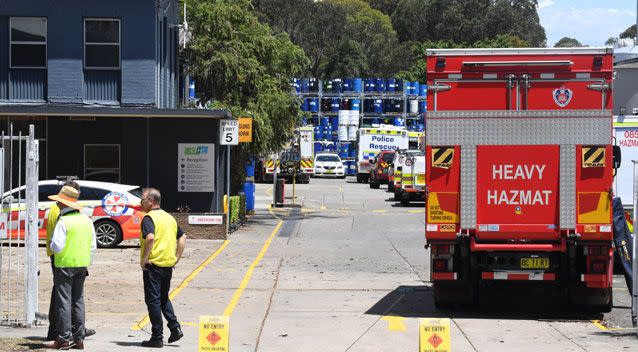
x,y
595,250
598,267
439,265
445,249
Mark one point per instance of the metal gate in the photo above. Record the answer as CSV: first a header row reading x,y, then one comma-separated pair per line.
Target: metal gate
x,y
18,228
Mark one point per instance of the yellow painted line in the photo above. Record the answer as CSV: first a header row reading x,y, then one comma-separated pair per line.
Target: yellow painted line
x,y
604,328
379,211
395,323
142,322
323,207
416,211
269,191
249,273
341,189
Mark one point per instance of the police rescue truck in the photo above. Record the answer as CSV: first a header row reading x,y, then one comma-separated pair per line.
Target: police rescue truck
x,y
370,141
520,166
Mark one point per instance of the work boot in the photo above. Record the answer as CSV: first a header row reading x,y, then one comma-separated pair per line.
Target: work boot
x,y
176,334
153,343
79,345
60,345
89,332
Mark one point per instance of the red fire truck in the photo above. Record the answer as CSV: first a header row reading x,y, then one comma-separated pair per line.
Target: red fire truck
x,y
520,164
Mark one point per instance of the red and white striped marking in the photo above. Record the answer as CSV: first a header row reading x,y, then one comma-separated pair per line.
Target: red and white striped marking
x,y
518,275
444,276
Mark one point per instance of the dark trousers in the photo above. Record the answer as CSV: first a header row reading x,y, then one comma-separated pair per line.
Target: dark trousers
x,y
53,310
157,284
69,300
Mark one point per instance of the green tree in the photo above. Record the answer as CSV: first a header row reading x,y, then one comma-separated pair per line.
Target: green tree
x,y
567,42
611,41
629,32
373,31
385,6
240,65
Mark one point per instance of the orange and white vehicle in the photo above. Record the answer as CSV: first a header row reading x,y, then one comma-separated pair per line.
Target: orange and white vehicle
x,y
114,209
520,165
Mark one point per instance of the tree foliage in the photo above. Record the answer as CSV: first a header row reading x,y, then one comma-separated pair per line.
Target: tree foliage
x,y
567,42
239,64
629,32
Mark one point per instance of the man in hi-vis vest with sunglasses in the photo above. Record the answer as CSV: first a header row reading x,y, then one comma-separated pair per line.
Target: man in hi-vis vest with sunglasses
x,y
162,243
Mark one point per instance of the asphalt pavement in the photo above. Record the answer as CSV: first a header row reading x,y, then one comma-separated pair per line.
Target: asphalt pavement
x,y
340,268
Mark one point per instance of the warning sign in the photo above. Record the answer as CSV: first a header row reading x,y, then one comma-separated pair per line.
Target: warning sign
x,y
442,157
594,156
442,208
434,335
213,334
245,130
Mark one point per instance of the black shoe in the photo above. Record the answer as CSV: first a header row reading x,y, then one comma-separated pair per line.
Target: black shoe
x,y
176,334
89,332
153,343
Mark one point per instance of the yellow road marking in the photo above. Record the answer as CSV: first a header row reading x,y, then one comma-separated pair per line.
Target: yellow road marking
x,y
604,328
269,191
341,189
323,207
416,211
379,211
395,323
142,322
249,273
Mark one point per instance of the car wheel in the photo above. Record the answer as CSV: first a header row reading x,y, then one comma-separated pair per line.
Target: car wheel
x,y
107,233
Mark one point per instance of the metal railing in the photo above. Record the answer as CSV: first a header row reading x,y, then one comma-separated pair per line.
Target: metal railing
x,y
18,228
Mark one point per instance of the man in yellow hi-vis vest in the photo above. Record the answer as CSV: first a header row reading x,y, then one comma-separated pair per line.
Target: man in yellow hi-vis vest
x,y
52,220
162,243
72,243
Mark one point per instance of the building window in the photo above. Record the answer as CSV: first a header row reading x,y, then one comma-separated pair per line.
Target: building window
x,y
28,44
102,44
102,162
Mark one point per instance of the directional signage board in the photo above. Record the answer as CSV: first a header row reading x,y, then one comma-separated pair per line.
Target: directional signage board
x,y
228,132
434,335
213,333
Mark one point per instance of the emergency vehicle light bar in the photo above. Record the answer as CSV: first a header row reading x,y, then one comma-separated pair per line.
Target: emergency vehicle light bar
x,y
519,63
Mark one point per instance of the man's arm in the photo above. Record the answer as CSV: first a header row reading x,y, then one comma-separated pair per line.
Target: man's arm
x,y
148,245
58,239
181,244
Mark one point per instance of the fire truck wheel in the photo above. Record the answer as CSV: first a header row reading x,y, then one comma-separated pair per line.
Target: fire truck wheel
x,y
397,195
108,233
359,179
374,184
405,202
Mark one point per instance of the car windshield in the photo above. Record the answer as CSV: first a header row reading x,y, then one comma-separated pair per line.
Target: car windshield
x,y
330,158
136,192
388,157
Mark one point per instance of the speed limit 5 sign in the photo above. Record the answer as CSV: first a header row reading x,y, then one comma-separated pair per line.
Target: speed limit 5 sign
x,y
228,132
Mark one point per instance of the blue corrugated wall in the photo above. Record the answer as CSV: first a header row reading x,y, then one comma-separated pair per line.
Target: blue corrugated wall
x,y
4,59
102,86
138,83
27,85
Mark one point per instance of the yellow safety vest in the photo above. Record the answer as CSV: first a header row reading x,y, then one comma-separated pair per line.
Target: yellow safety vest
x,y
79,237
163,253
52,220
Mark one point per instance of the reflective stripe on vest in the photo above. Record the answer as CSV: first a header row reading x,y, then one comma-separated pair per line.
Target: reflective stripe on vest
x,y
79,236
165,239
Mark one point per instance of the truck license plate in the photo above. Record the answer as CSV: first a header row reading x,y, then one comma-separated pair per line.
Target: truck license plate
x,y
534,263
